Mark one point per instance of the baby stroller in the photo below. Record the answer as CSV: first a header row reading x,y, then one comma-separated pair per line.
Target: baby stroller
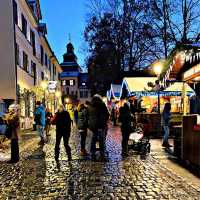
x,y
139,140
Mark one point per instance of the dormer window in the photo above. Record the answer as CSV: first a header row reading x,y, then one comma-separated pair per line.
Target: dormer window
x,y
35,7
42,28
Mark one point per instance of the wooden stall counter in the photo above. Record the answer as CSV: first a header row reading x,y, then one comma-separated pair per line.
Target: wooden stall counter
x,y
191,140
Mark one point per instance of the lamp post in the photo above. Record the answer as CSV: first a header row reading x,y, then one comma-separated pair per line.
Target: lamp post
x,y
157,67
44,86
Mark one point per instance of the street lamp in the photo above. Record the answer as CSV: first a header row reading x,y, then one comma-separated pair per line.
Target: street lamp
x,y
157,68
44,86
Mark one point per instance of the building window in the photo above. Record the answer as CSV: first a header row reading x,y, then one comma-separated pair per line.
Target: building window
x,y
32,68
15,12
46,59
32,39
50,69
71,82
83,84
63,83
86,94
33,71
41,55
49,66
25,61
72,93
67,91
81,94
42,76
54,70
17,53
24,26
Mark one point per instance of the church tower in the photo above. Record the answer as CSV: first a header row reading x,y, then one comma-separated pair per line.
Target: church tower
x,y
70,60
70,75
74,83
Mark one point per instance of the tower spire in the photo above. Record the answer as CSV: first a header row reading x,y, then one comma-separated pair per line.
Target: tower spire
x,y
69,37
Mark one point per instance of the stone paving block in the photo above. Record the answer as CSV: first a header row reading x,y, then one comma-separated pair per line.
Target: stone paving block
x,y
131,178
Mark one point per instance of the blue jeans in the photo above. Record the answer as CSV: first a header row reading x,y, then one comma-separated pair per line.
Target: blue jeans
x,y
166,134
40,130
98,135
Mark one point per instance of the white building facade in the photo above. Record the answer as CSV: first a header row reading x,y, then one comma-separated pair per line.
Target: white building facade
x,y
26,58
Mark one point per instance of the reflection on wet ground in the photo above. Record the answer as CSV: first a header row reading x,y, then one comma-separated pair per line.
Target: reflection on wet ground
x,y
38,176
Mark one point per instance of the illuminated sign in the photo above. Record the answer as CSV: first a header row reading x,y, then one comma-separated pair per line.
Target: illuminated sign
x,y
52,86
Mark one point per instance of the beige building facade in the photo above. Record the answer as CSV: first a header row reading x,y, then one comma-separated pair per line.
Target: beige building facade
x,y
27,62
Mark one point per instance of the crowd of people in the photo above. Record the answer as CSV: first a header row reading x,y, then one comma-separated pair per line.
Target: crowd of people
x,y
93,116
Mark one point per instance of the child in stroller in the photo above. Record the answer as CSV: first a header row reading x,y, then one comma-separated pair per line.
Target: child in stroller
x,y
139,140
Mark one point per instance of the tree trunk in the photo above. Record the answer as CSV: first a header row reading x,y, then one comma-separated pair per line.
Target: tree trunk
x,y
184,5
165,27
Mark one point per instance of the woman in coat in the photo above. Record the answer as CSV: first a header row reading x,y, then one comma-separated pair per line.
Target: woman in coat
x,y
12,119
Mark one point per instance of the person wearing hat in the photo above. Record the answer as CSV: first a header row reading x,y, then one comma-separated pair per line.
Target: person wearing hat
x,y
13,123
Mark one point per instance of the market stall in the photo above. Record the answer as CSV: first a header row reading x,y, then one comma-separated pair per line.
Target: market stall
x,y
183,64
140,91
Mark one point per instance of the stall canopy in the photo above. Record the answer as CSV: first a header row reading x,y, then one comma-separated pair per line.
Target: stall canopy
x,y
137,86
176,89
114,92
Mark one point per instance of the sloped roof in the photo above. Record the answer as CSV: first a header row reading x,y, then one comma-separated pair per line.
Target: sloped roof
x,y
138,84
178,87
114,92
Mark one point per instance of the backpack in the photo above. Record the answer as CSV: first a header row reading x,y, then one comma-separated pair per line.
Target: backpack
x,y
38,119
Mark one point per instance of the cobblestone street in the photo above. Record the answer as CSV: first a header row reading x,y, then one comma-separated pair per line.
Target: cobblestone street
x,y
38,176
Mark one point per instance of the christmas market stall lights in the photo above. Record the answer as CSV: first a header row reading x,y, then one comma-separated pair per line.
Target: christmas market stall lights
x,y
183,64
114,92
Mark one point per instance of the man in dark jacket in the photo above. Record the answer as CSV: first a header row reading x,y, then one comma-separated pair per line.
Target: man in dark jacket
x,y
126,119
98,118
62,121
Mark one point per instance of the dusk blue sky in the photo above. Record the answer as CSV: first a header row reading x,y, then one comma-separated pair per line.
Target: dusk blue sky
x,y
64,17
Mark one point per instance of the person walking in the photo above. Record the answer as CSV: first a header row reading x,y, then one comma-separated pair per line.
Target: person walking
x,y
40,121
82,126
98,118
126,119
13,125
166,116
62,121
48,117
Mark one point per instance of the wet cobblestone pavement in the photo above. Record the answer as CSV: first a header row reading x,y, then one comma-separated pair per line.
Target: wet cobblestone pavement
x,y
38,176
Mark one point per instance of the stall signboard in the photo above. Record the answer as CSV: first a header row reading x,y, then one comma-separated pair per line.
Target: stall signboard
x,y
52,85
193,72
